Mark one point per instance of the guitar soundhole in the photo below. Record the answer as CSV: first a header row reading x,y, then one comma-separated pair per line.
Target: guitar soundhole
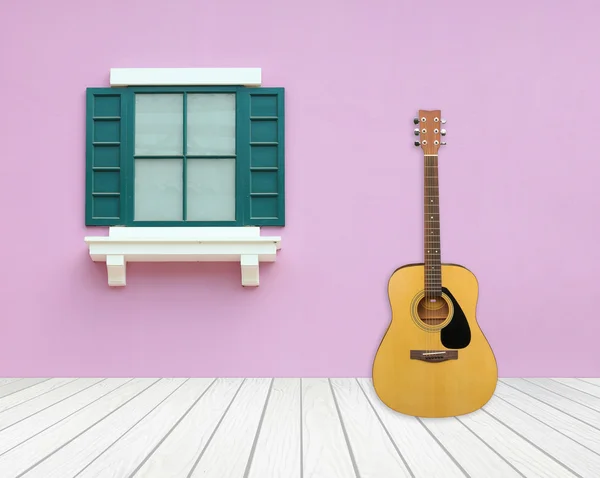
x,y
433,311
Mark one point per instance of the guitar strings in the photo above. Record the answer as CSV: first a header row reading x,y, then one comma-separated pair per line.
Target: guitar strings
x,y
427,250
426,243
432,269
430,273
438,256
435,234
438,252
428,234
432,260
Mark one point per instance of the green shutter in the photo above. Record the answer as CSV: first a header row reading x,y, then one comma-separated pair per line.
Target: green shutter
x,y
261,155
105,144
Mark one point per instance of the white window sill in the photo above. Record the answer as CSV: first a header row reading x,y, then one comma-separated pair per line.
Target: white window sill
x,y
183,244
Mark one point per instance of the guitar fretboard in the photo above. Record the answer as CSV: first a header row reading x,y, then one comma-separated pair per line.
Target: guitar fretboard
x,y
432,251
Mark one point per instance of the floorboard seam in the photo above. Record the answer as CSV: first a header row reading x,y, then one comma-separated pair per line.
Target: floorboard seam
x,y
387,431
490,447
88,428
443,447
12,380
344,432
550,405
258,429
24,388
60,420
127,431
531,443
585,381
548,425
55,403
578,389
37,396
185,414
301,433
214,431
563,396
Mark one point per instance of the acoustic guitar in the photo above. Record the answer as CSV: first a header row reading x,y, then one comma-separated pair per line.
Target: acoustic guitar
x,y
434,360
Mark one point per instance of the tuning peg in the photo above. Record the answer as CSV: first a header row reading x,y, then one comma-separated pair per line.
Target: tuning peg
x,y
417,143
443,143
443,132
416,120
417,132
443,121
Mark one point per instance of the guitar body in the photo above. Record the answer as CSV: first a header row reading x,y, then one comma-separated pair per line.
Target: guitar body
x,y
441,366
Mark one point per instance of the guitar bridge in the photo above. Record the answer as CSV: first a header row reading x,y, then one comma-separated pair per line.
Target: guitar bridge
x,y
434,355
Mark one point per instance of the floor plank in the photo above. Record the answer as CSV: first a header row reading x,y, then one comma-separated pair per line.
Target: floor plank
x,y
23,430
374,451
326,454
581,385
236,433
581,412
568,392
278,449
31,452
176,456
32,392
19,384
71,459
423,454
570,453
473,454
38,404
593,381
573,428
125,455
524,456
6,381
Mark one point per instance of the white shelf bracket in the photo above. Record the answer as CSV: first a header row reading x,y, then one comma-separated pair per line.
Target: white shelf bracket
x,y
116,268
249,265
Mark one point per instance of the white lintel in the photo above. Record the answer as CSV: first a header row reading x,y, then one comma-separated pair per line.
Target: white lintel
x,y
183,244
185,76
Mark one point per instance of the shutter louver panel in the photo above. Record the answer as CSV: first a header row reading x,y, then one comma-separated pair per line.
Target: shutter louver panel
x,y
105,145
263,111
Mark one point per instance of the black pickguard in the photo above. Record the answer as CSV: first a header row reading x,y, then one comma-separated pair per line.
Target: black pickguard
x,y
457,334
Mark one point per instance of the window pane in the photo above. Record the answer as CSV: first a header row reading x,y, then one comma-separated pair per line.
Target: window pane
x,y
211,124
158,124
158,190
211,189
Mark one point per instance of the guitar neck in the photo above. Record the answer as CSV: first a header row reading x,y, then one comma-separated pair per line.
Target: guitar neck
x,y
431,210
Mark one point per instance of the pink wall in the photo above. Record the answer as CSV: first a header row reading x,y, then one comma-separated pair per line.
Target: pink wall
x,y
518,82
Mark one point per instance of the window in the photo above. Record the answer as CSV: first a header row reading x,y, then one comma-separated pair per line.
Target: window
x,y
177,156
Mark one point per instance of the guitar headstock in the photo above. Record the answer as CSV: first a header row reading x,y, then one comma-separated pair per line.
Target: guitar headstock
x,y
430,131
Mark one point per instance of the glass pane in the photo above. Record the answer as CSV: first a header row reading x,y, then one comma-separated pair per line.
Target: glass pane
x,y
211,124
158,190
158,124
211,189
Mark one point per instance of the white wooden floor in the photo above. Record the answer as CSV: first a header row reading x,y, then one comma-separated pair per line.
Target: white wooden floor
x,y
289,428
